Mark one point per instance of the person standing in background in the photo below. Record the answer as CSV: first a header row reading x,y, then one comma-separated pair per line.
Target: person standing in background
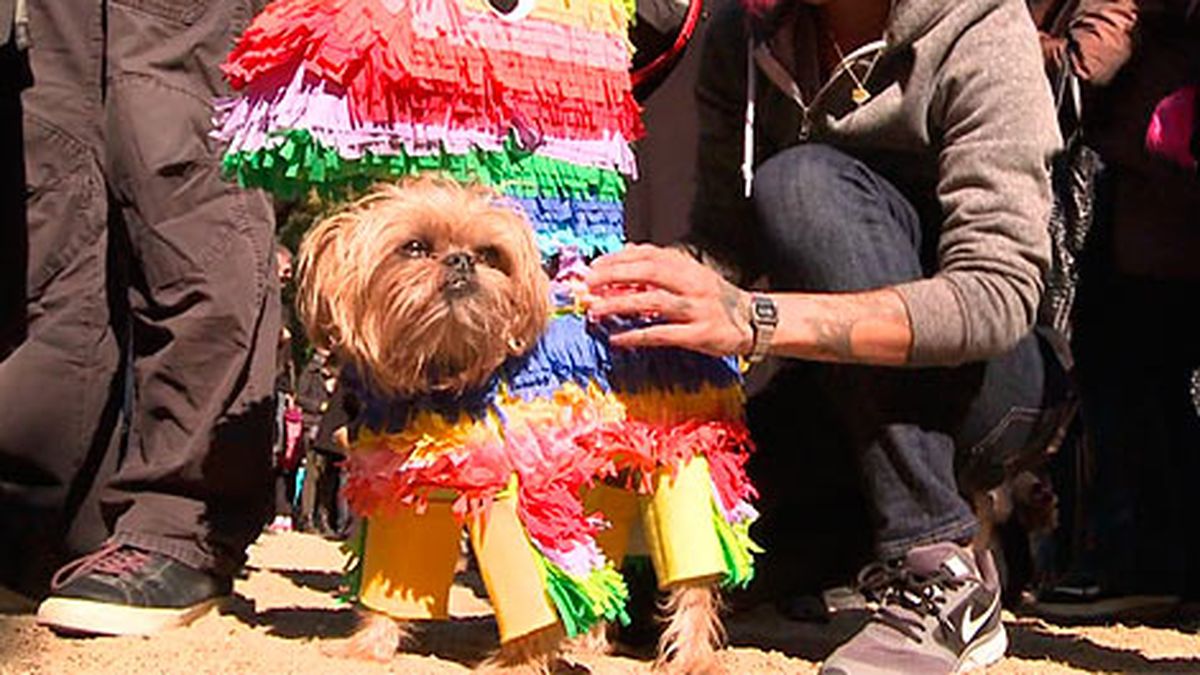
x,y
135,418
1135,357
14,77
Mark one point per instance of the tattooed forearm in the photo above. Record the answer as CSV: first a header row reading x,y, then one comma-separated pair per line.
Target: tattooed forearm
x,y
871,327
736,304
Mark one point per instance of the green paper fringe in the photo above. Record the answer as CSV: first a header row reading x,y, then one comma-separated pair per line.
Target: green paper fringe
x,y
352,573
737,547
582,603
297,162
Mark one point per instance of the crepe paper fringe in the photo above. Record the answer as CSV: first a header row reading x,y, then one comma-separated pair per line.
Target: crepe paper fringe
x,y
594,15
676,405
638,370
337,38
391,73
737,548
589,228
535,439
352,571
641,449
296,162
300,100
566,352
582,602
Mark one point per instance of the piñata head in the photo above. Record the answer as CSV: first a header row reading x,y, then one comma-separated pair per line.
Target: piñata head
x,y
529,97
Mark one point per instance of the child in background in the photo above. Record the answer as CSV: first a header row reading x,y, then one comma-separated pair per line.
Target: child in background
x,y
288,450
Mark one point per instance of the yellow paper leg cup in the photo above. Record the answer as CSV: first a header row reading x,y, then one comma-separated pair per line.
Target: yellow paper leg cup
x,y
511,573
620,508
677,522
408,562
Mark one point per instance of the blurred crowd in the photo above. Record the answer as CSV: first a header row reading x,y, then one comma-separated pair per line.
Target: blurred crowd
x,y
159,410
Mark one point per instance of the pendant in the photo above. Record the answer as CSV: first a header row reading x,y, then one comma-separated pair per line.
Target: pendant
x,y
860,95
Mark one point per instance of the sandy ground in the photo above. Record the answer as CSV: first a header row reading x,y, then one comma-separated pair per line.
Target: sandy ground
x,y
284,610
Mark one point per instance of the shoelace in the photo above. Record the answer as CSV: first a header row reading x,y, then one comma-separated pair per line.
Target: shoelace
x,y
900,592
112,559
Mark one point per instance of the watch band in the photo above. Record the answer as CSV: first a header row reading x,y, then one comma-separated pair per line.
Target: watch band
x,y
764,317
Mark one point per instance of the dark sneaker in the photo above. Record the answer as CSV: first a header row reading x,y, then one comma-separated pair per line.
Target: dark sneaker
x,y
1083,600
122,590
936,611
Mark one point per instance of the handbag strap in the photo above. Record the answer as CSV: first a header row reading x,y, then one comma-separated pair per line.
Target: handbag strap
x,y
1068,89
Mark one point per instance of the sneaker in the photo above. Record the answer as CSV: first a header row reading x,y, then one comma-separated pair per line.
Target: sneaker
x,y
1084,600
280,524
935,611
122,590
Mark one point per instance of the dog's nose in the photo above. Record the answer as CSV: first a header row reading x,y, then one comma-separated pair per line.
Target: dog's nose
x,y
460,262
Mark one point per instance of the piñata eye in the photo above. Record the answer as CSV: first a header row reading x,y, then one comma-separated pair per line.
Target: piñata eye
x,y
512,9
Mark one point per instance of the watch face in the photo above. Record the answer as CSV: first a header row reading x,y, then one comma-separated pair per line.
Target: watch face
x,y
765,310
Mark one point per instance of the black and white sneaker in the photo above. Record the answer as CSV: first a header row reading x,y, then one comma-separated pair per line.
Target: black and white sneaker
x,y
122,590
935,611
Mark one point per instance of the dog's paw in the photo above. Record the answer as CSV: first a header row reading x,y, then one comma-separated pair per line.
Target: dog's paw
x,y
377,639
533,654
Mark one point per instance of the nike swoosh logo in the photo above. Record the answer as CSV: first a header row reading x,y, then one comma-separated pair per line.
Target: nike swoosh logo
x,y
971,624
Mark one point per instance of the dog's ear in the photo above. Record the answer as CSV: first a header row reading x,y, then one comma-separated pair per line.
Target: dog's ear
x,y
325,298
532,291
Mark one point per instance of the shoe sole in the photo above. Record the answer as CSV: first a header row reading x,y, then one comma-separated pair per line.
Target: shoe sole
x,y
984,652
88,617
1106,609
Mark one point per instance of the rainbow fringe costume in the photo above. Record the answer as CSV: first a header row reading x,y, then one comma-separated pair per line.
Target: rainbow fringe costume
x,y
551,463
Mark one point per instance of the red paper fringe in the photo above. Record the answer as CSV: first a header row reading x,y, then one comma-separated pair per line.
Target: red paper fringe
x,y
392,76
642,448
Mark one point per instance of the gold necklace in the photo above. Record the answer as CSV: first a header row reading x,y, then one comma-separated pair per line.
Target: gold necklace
x,y
859,94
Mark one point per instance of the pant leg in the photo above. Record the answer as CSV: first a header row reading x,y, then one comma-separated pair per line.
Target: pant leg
x,y
195,482
1135,364
58,389
14,249
832,224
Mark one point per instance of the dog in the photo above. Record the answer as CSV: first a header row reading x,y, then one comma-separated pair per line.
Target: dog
x,y
435,294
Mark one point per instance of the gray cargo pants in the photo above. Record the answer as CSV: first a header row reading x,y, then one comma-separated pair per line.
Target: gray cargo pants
x,y
140,405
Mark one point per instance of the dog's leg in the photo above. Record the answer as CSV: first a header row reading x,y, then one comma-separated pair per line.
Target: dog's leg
x,y
532,654
595,641
377,639
693,631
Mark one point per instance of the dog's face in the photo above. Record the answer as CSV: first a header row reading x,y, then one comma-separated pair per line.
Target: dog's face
x,y
424,286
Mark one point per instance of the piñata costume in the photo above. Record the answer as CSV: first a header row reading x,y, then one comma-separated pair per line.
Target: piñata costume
x,y
335,95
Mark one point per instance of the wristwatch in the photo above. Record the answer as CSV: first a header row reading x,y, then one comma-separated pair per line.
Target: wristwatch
x,y
764,317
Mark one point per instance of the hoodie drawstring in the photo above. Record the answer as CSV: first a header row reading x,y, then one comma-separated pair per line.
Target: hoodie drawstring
x,y
748,130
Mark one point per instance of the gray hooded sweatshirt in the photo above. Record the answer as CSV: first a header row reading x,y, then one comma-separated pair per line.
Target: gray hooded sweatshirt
x,y
960,118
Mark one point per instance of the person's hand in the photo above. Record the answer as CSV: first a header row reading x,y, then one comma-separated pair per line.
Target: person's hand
x,y
693,306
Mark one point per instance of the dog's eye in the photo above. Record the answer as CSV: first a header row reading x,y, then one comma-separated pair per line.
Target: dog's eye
x,y
488,255
414,249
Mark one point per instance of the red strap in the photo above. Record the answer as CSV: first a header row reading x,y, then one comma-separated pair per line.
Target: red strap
x,y
668,57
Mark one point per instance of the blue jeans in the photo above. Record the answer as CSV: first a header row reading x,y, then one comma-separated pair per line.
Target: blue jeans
x,y
828,222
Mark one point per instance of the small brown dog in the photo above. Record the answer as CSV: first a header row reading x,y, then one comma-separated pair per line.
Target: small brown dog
x,y
427,288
